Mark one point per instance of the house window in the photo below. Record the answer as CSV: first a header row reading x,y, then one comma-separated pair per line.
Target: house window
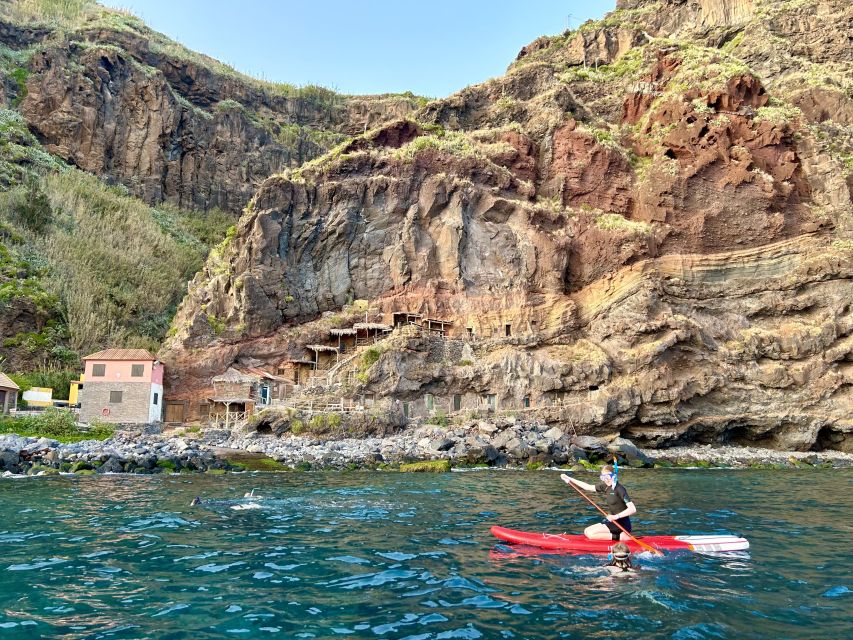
x,y
430,402
156,398
99,370
137,370
470,331
406,411
115,397
525,402
457,402
508,330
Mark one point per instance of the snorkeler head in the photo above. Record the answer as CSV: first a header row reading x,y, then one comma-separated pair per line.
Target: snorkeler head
x,y
621,551
195,501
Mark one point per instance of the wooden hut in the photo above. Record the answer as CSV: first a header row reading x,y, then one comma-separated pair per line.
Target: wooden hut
x,y
325,356
234,397
439,327
296,371
402,318
345,338
368,333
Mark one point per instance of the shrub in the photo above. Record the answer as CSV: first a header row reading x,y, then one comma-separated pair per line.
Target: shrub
x,y
317,423
370,357
333,420
439,419
297,427
56,424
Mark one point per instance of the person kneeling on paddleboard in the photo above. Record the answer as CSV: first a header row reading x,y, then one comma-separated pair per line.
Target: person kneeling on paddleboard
x,y
618,503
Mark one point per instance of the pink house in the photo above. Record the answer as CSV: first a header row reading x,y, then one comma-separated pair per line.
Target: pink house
x,y
122,386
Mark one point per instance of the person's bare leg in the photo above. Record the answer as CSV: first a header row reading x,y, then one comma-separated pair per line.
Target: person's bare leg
x,y
598,532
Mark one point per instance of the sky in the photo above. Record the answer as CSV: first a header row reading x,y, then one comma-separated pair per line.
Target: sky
x,y
432,48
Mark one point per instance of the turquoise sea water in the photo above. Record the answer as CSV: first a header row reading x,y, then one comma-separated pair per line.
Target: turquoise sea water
x,y
386,555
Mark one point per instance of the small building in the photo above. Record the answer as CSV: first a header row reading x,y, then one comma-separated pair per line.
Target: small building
x,y
345,337
38,397
237,394
8,394
438,327
403,318
296,371
122,386
368,333
325,356
234,397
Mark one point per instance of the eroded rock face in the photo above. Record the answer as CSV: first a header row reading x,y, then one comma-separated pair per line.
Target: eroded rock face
x,y
172,129
654,243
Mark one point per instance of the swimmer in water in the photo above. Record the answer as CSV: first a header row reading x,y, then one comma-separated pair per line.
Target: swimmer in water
x,y
240,506
620,560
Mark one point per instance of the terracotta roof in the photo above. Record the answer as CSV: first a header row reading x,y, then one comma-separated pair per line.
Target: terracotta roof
x,y
6,381
121,354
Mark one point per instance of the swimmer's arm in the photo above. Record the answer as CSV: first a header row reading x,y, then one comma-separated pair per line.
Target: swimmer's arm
x,y
577,483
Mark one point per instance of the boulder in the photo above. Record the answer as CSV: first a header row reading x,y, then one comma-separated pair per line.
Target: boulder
x,y
626,449
590,444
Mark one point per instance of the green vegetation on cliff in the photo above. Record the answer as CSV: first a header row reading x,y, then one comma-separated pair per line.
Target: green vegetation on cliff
x,y
99,268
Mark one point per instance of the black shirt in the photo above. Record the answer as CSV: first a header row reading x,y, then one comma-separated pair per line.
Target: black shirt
x,y
617,499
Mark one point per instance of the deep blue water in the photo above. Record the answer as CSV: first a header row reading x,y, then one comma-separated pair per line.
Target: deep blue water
x,y
386,555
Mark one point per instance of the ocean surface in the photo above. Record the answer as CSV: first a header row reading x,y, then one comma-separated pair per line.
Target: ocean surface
x,y
389,555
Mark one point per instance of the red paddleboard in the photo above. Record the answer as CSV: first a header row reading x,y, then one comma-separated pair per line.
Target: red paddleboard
x,y
580,544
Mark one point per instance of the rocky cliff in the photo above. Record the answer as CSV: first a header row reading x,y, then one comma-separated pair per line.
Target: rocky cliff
x,y
643,228
109,95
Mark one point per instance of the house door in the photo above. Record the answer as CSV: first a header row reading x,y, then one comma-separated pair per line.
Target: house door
x,y
174,412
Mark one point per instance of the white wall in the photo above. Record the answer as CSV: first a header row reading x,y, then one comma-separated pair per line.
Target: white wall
x,y
155,411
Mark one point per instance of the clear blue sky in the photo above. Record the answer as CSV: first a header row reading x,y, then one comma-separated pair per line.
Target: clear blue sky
x,y
431,47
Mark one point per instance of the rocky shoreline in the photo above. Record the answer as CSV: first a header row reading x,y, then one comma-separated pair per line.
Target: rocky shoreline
x,y
479,445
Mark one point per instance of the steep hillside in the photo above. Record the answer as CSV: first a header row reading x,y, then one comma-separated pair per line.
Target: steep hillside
x,y
84,265
643,227
109,95
124,157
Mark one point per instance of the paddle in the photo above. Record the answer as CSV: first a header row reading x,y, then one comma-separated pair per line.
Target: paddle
x,y
627,533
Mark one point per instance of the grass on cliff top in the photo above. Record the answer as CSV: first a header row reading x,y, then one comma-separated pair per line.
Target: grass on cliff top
x,y
55,424
78,15
109,266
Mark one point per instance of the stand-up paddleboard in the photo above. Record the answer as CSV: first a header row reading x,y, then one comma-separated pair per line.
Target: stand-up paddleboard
x,y
580,544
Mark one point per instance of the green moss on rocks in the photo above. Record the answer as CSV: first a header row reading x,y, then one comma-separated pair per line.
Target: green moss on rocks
x,y
427,466
258,464
166,465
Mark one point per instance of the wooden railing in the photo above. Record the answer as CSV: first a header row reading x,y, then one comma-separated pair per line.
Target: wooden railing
x,y
230,417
